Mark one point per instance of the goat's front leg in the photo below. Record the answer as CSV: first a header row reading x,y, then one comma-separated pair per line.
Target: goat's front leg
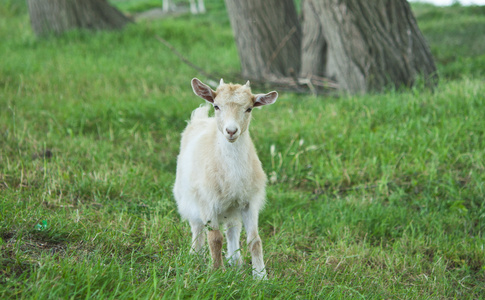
x,y
215,239
233,233
250,219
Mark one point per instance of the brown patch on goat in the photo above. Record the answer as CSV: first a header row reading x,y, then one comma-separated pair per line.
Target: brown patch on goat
x,y
215,239
256,247
234,93
229,87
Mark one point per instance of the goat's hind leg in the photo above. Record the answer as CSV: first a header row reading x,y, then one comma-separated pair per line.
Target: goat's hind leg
x,y
198,236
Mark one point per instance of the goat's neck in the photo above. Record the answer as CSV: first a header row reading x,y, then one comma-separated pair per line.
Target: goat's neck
x,y
237,152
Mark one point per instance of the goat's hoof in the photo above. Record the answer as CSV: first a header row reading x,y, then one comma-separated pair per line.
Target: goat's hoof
x,y
219,267
235,263
260,275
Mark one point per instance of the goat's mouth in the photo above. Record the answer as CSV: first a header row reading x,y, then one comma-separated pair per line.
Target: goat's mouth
x,y
231,139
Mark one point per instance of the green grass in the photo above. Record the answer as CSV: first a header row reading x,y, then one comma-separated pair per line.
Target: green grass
x,y
455,35
375,196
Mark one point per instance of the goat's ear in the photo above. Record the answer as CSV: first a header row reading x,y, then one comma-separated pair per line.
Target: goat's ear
x,y
202,90
265,99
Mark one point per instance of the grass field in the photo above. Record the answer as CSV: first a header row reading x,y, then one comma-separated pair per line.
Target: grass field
x,y
372,197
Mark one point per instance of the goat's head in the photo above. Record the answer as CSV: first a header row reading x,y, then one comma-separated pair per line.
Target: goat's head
x,y
233,104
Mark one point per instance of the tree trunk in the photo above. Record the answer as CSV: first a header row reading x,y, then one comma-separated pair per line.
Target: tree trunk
x,y
314,46
57,16
268,37
370,44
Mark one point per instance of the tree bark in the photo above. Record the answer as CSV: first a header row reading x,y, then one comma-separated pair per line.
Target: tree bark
x,y
57,16
370,44
268,37
314,45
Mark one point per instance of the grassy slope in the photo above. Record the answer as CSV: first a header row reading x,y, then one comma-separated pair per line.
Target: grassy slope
x,y
377,196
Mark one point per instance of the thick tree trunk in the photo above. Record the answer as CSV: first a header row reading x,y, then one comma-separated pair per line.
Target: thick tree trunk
x,y
57,16
314,46
370,44
268,37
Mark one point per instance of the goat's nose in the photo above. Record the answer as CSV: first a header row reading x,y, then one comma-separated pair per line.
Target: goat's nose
x,y
231,131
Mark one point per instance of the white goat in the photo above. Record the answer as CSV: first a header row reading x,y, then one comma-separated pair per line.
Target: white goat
x,y
219,175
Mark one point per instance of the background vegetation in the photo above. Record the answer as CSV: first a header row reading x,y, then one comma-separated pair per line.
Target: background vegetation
x,y
373,196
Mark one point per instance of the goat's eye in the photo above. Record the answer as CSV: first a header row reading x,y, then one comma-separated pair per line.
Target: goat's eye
x,y
216,107
249,110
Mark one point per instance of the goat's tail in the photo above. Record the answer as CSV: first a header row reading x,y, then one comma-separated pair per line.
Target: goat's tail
x,y
200,113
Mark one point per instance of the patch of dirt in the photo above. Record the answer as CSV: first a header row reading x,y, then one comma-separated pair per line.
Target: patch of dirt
x,y
6,235
47,154
17,258
12,268
10,264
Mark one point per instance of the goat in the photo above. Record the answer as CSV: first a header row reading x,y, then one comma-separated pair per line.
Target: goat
x,y
219,177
